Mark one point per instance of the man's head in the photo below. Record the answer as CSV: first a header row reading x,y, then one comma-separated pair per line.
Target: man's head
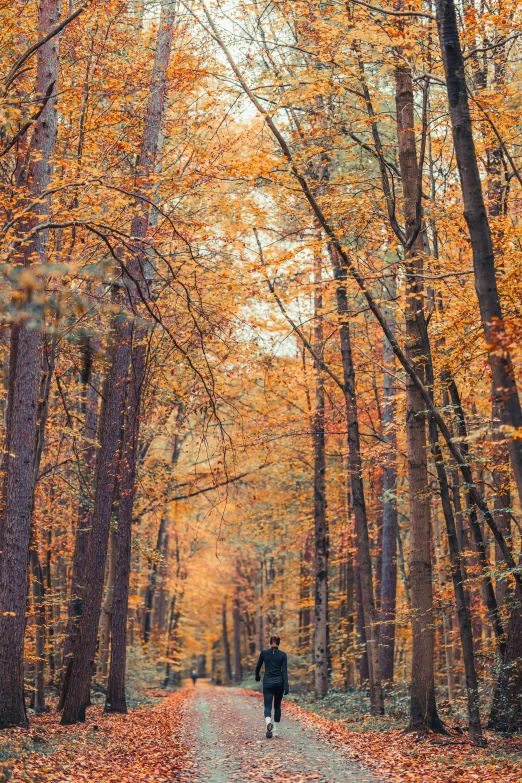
x,y
275,641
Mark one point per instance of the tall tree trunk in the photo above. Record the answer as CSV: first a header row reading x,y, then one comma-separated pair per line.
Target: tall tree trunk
x,y
304,596
77,692
24,371
371,619
477,534
389,517
505,389
346,614
364,667
50,609
148,157
236,618
423,709
89,407
463,612
320,524
226,646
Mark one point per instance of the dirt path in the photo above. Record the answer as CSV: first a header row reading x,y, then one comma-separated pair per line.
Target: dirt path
x,y
224,729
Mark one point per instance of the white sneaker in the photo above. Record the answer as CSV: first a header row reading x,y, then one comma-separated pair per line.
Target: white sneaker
x,y
275,731
269,727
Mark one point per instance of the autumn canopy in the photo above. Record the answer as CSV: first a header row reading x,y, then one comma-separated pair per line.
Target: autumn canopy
x,y
260,342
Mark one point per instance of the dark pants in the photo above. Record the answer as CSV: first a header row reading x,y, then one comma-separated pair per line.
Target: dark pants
x,y
273,693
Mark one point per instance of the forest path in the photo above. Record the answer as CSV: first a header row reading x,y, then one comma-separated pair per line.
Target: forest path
x,y
224,729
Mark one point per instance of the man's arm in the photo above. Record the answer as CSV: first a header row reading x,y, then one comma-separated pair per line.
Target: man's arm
x,y
285,674
258,667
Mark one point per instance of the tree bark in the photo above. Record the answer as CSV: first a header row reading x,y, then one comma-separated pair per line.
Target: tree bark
x,y
346,613
423,709
363,665
389,518
25,363
116,700
89,405
370,614
506,395
77,695
226,646
320,523
236,619
463,611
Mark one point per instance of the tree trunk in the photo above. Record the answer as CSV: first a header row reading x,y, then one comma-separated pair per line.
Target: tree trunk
x,y
423,709
505,389
477,534
116,700
50,609
463,612
304,596
320,524
226,646
24,381
364,668
77,695
502,504
236,617
346,614
90,405
371,619
389,517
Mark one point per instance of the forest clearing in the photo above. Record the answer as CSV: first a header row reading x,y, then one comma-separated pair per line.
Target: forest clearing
x,y
260,369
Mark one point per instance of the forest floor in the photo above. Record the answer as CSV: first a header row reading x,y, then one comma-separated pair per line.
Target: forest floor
x,y
216,735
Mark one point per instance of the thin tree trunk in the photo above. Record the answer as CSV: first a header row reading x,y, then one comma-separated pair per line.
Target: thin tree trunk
x,y
90,405
346,613
236,618
505,389
320,524
364,667
463,613
371,619
389,524
304,595
50,609
23,398
477,534
448,652
502,504
226,646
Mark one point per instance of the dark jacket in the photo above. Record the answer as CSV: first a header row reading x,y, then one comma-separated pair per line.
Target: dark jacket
x,y
276,671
